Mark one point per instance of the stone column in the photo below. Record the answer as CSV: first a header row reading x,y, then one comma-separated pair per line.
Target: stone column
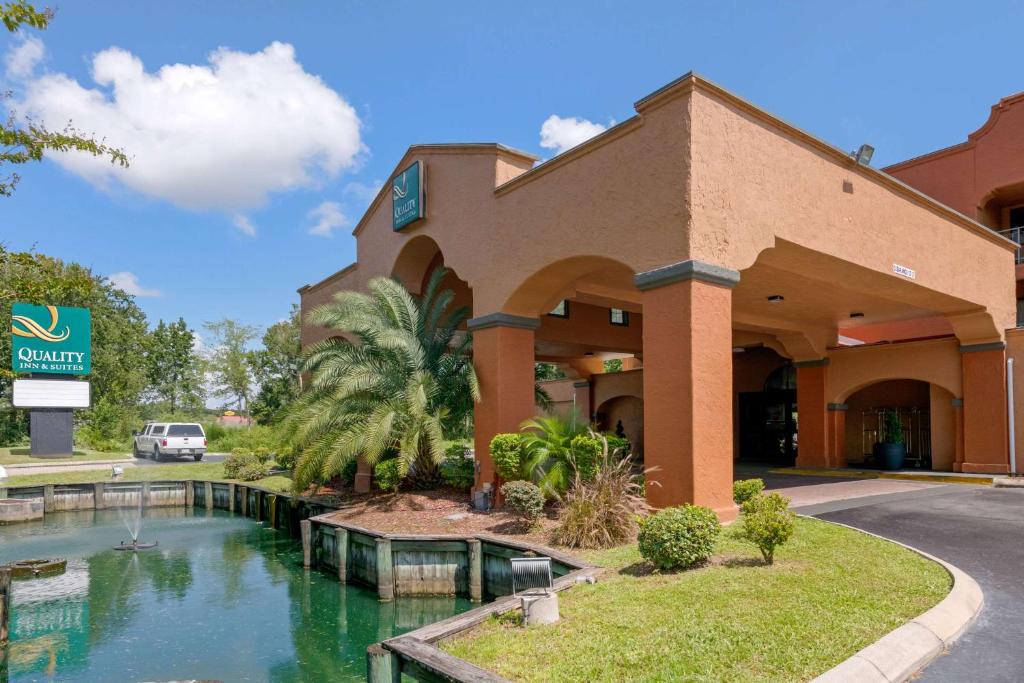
x,y
504,358
688,385
958,435
986,439
812,401
364,476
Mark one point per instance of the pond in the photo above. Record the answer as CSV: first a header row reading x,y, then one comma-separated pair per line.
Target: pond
x,y
221,598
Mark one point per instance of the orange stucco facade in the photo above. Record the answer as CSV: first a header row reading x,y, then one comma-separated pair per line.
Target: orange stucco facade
x,y
716,228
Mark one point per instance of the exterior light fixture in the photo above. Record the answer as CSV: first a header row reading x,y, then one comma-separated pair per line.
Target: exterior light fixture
x,y
856,314
589,354
776,298
863,154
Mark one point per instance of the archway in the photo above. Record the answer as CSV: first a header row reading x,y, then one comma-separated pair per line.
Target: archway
x,y
624,417
926,413
418,260
764,406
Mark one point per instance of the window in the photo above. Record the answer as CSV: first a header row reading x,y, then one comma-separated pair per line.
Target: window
x,y
184,430
617,316
157,431
1020,312
1016,217
561,310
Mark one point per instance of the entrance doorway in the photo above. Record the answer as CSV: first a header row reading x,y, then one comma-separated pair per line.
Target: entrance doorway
x,y
768,421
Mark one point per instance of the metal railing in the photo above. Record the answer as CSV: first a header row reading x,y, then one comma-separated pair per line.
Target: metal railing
x,y
1015,235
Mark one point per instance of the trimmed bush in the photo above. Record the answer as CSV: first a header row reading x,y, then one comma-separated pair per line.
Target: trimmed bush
x,y
388,474
587,450
457,469
507,454
236,462
253,470
262,454
745,489
767,522
679,537
618,445
524,499
240,451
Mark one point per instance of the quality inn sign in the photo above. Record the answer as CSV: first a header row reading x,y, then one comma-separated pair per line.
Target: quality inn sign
x,y
407,196
50,339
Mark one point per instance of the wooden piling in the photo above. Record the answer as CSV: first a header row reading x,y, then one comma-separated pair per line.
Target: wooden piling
x,y
272,510
190,494
231,497
476,569
243,499
144,500
306,531
382,666
48,498
99,502
258,502
5,605
341,548
385,571
208,494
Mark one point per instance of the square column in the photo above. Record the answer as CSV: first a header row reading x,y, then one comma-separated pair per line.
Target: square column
x,y
986,439
812,413
688,385
504,358
836,434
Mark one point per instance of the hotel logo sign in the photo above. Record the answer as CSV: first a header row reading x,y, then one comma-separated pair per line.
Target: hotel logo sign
x,y
50,339
407,196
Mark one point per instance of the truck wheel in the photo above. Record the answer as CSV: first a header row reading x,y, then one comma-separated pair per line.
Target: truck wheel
x,y
156,454
198,457
135,451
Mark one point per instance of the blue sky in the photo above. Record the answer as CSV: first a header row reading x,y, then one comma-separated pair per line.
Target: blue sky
x,y
906,77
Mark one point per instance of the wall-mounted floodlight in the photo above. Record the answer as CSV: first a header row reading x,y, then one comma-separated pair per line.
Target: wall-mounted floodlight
x,y
863,154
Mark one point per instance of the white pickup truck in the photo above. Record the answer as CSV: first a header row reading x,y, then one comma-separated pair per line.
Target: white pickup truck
x,y
160,439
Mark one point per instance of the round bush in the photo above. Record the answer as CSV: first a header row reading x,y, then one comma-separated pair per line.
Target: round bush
x,y
236,462
253,470
388,474
745,489
457,468
767,522
679,537
507,454
262,453
240,451
523,498
587,451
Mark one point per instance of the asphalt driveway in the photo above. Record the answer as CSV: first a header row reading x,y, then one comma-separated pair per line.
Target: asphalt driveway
x,y
977,528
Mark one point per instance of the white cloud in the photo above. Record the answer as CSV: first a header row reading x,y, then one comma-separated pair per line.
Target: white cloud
x,y
23,57
362,193
129,284
328,216
221,135
243,224
561,134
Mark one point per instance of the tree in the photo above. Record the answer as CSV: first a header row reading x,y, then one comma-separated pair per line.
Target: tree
x,y
229,361
173,368
24,140
118,375
276,369
406,384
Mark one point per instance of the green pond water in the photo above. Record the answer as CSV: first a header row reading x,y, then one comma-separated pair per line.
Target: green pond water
x,y
221,598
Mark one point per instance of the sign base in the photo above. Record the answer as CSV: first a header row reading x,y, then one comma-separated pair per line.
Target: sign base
x,y
52,433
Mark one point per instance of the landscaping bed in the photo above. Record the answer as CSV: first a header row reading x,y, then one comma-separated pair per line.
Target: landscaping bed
x,y
831,592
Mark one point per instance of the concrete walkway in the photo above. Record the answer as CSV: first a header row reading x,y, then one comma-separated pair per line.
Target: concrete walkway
x,y
981,530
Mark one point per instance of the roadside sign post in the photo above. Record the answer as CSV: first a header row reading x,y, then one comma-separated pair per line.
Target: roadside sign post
x,y
51,344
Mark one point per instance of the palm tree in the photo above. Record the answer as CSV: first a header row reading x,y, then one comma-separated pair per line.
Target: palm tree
x,y
406,384
547,443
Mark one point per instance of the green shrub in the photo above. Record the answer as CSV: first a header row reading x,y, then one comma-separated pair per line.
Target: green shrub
x,y
457,469
507,454
348,472
602,512
745,489
239,450
388,474
524,499
236,462
225,440
618,445
213,431
679,537
262,453
286,457
767,522
253,470
586,451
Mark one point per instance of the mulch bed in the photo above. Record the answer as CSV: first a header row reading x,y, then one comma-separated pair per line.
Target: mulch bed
x,y
430,512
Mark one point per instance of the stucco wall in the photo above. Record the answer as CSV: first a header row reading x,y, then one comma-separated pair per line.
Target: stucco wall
x,y
936,361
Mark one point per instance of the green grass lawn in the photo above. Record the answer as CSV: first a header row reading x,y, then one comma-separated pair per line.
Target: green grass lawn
x,y
20,455
831,592
188,470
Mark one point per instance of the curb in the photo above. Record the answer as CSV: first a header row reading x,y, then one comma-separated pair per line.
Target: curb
x,y
904,652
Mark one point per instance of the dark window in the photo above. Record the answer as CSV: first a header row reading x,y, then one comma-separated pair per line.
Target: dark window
x,y
781,379
561,310
184,430
1020,312
617,316
157,430
1017,217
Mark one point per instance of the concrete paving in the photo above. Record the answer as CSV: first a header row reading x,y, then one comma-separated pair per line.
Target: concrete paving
x,y
979,529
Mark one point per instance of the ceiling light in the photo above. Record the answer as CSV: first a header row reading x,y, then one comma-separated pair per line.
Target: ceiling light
x,y
856,314
776,298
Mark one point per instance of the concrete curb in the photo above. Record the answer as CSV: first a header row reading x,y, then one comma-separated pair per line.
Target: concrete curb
x,y
904,652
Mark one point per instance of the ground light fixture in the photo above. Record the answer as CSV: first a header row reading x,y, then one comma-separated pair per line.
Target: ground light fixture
x,y
776,299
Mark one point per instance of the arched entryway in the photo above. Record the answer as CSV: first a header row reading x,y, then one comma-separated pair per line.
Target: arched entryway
x,y
624,417
927,417
764,389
